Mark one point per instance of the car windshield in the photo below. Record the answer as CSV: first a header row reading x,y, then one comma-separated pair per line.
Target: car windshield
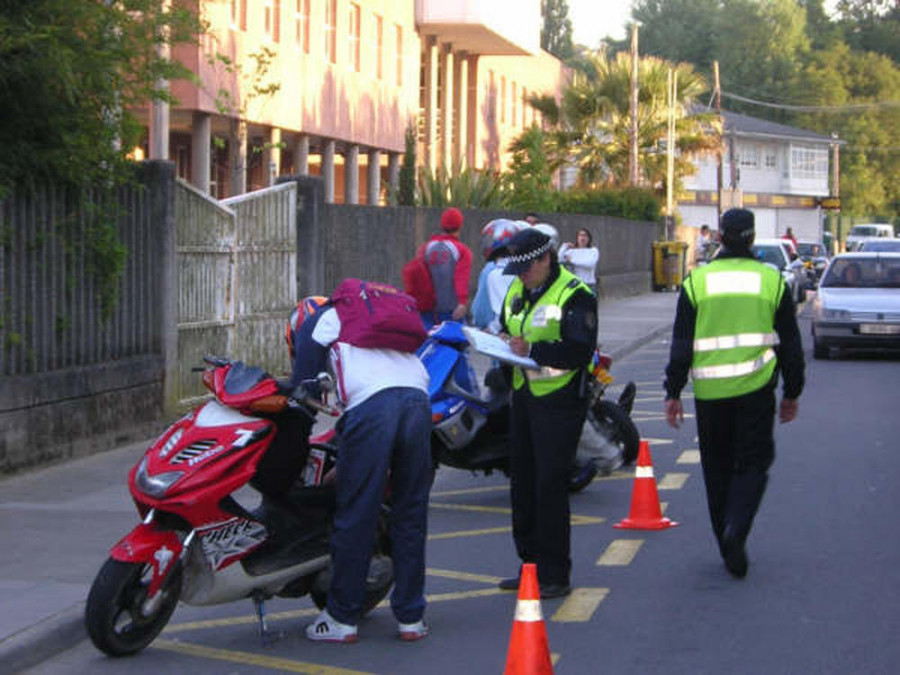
x,y
864,231
772,254
807,249
880,245
863,273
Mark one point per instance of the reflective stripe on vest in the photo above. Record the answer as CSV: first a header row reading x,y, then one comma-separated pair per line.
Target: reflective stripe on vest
x,y
733,369
732,341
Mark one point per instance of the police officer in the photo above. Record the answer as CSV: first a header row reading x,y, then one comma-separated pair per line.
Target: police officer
x,y
551,316
735,329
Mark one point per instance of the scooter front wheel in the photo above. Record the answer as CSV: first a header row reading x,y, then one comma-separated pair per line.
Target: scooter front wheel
x,y
119,619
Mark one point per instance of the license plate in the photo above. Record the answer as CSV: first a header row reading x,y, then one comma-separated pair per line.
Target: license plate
x,y
879,329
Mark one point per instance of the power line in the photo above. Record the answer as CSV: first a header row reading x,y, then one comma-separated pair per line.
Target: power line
x,y
845,108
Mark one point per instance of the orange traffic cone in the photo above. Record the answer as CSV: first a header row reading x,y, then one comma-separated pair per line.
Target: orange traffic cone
x,y
529,651
645,512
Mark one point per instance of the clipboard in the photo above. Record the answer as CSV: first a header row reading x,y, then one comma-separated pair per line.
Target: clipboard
x,y
492,345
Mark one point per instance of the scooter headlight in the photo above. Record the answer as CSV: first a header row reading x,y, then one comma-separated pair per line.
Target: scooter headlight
x,y
155,486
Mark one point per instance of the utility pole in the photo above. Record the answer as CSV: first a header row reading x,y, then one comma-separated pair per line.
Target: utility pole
x,y
671,94
717,101
633,167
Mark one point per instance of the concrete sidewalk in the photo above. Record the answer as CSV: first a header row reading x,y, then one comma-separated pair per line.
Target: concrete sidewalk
x,y
60,522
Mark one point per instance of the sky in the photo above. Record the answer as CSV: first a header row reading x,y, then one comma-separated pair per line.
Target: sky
x,y
592,20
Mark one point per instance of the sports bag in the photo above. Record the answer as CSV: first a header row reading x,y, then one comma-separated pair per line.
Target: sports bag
x,y
378,316
417,283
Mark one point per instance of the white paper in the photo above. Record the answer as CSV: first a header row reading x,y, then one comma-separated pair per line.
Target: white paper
x,y
497,347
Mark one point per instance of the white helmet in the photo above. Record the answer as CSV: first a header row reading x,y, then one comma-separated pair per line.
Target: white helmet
x,y
551,232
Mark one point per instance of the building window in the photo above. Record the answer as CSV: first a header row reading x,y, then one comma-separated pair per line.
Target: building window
x,y
807,162
301,25
331,30
771,160
239,14
748,157
524,106
502,99
515,103
354,36
379,47
398,32
271,19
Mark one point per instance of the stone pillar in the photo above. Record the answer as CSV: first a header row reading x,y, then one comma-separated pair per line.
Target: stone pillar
x,y
471,145
328,171
351,175
238,158
272,157
460,108
448,69
394,171
430,65
374,178
200,151
301,155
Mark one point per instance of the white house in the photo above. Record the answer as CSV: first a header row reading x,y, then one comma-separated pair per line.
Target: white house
x,y
780,173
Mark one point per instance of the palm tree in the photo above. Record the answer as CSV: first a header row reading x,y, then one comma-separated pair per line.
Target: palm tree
x,y
593,122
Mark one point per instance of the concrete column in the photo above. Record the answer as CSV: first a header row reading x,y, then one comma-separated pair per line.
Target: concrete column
x,y
430,64
351,175
159,110
394,171
374,178
200,151
272,157
301,155
328,171
460,108
472,142
448,69
238,158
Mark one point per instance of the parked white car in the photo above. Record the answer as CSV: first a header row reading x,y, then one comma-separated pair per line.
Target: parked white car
x,y
862,232
774,252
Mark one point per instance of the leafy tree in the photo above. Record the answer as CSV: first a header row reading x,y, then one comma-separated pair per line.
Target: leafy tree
x,y
406,190
70,73
676,30
556,30
872,25
528,183
466,188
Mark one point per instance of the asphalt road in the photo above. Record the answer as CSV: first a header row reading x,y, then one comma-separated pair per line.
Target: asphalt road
x,y
818,598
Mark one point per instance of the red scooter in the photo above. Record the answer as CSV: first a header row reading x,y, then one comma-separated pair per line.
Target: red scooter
x,y
201,539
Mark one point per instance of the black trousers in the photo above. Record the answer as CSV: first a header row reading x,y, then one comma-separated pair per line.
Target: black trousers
x,y
544,433
285,459
737,447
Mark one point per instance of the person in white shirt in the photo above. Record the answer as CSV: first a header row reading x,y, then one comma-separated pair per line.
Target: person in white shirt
x,y
384,433
581,258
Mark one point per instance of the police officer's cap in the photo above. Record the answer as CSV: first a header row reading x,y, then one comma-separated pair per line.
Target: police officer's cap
x,y
737,228
524,248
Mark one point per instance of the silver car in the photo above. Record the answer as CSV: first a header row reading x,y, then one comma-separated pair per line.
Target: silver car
x,y
858,304
774,252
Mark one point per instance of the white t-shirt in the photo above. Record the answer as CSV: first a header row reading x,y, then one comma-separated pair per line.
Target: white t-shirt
x,y
498,284
582,261
361,372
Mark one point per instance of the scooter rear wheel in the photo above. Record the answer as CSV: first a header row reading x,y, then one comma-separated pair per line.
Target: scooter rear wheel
x,y
616,425
115,615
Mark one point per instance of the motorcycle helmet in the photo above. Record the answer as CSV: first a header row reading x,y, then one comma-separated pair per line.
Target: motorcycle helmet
x,y
304,309
497,233
551,232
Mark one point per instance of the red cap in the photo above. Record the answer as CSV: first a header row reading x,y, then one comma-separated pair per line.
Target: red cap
x,y
451,220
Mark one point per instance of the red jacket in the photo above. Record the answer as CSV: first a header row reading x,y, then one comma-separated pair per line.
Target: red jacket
x,y
463,265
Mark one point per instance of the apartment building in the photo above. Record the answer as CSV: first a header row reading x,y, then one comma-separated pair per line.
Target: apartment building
x,y
329,87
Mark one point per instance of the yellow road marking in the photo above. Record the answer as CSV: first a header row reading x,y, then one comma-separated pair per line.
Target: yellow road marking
x,y
469,533
554,658
471,491
238,620
673,481
658,441
615,475
650,399
470,507
462,576
251,659
620,552
663,507
689,457
580,605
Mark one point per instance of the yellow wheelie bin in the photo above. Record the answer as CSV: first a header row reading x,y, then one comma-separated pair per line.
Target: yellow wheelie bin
x,y
668,264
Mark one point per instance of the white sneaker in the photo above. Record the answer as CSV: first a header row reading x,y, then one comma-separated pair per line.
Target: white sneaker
x,y
410,632
326,629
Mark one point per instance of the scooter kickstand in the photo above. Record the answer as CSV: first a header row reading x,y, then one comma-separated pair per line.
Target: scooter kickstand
x,y
267,637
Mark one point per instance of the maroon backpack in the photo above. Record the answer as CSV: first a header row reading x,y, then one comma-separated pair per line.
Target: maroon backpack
x,y
377,315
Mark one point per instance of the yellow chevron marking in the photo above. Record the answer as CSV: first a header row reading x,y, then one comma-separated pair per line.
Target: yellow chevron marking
x,y
471,491
469,533
462,576
620,552
580,605
689,457
673,481
251,659
470,507
657,441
